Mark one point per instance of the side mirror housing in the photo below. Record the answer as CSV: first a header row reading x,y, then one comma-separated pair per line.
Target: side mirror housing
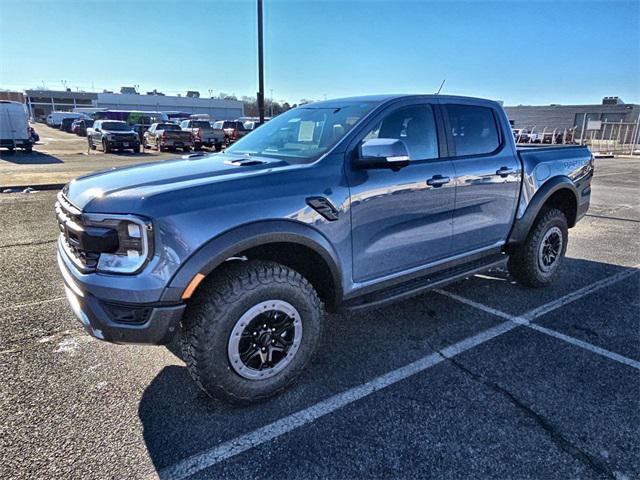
x,y
383,153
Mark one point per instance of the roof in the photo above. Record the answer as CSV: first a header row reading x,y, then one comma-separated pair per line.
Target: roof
x,y
385,98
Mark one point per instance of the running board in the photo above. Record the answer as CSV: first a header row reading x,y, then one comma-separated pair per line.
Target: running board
x,y
423,284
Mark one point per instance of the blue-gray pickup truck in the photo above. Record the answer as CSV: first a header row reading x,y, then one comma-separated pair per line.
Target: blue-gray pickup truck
x,y
339,204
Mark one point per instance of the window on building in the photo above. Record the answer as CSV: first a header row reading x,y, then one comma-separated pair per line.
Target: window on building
x,y
612,117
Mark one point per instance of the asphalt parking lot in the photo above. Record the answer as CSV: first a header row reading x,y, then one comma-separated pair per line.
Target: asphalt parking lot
x,y
60,156
485,379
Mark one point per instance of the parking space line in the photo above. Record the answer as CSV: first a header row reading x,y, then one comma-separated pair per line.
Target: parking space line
x,y
30,304
578,294
587,346
231,448
527,319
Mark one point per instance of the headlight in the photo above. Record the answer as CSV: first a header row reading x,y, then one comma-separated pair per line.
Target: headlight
x,y
135,242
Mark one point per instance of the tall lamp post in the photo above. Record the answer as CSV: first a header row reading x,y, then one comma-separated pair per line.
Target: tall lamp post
x,y
260,66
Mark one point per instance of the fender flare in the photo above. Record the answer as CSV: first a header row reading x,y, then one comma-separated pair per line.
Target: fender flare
x,y
521,226
230,243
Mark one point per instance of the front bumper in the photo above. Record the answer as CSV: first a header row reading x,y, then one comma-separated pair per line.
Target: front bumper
x,y
125,144
119,322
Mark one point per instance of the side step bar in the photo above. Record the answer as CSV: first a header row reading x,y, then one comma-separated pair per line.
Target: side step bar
x,y
425,283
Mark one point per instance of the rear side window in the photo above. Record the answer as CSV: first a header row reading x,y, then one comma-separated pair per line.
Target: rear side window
x,y
473,129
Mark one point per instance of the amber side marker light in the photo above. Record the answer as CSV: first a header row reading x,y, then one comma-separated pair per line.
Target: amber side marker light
x,y
193,284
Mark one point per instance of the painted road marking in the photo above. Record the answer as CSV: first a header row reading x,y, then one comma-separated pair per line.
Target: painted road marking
x,y
231,448
528,317
208,458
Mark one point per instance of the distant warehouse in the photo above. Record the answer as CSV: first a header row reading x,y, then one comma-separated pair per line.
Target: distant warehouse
x,y
550,117
43,102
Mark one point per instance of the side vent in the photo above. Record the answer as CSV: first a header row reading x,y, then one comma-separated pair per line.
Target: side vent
x,y
324,207
245,162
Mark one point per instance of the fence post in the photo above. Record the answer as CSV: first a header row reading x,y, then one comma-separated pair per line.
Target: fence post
x,y
584,126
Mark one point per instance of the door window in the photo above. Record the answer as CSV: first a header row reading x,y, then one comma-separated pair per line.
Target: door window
x,y
473,129
415,126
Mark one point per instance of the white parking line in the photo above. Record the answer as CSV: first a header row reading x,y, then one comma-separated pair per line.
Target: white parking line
x,y
208,458
528,317
30,304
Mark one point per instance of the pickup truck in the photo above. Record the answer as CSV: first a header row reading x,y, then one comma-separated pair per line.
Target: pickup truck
x,y
112,135
341,204
167,136
204,134
233,130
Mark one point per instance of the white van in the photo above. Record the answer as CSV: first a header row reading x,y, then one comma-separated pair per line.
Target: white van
x,y
14,126
54,119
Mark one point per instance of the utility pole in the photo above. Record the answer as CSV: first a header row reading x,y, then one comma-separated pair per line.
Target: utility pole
x,y
260,66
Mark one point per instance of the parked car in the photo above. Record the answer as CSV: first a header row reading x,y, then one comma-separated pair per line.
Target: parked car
x,y
233,130
14,126
251,125
54,119
204,134
521,135
80,126
66,124
140,128
339,204
112,135
168,136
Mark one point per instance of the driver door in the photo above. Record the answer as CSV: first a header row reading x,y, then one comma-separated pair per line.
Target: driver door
x,y
402,219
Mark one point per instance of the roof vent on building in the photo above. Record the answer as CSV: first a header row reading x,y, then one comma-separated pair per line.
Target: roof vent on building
x,y
193,94
612,101
128,90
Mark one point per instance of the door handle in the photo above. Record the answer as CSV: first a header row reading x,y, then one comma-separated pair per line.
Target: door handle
x,y
505,172
437,181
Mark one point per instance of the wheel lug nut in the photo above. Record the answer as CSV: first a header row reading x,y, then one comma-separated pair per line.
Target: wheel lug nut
x,y
253,345
273,329
264,349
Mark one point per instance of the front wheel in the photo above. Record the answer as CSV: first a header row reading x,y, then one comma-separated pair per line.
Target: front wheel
x,y
250,331
106,148
536,262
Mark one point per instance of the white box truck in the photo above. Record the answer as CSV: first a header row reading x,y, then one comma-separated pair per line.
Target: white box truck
x,y
14,126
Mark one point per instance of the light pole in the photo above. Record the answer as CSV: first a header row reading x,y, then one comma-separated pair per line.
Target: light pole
x,y
260,66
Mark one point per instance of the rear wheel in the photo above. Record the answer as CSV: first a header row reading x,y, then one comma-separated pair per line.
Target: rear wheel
x,y
250,331
536,262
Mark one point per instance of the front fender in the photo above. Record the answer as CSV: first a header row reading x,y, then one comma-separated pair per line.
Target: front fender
x,y
232,242
522,225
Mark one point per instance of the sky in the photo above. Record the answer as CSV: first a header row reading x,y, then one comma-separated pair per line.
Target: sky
x,y
521,52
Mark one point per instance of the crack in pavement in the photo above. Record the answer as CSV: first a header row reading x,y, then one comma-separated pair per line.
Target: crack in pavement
x,y
594,463
27,244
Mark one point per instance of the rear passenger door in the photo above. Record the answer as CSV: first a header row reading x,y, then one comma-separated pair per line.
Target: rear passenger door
x,y
487,175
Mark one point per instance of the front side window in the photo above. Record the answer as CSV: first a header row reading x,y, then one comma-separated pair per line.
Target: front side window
x,y
473,129
415,126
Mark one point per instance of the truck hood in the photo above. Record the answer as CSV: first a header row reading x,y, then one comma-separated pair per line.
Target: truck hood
x,y
124,189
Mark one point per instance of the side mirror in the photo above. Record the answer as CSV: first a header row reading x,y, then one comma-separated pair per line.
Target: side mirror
x,y
97,129
383,153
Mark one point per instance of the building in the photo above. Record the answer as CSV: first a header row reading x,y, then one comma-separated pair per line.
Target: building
x,y
42,102
611,110
217,109
12,96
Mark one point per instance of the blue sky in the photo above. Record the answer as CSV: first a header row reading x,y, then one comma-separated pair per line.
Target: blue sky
x,y
518,51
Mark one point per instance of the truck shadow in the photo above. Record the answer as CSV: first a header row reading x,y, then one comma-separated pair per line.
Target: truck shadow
x,y
179,420
22,158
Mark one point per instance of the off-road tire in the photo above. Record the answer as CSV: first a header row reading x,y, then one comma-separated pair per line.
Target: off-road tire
x,y
523,259
216,307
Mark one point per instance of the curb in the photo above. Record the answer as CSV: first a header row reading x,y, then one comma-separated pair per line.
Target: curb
x,y
45,186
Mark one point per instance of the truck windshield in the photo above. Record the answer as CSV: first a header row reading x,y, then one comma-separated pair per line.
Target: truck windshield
x,y
302,134
201,124
115,126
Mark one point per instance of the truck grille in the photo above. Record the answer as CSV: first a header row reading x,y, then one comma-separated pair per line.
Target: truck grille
x,y
70,224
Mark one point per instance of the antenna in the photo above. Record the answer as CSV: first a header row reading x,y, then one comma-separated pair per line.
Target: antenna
x,y
441,85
